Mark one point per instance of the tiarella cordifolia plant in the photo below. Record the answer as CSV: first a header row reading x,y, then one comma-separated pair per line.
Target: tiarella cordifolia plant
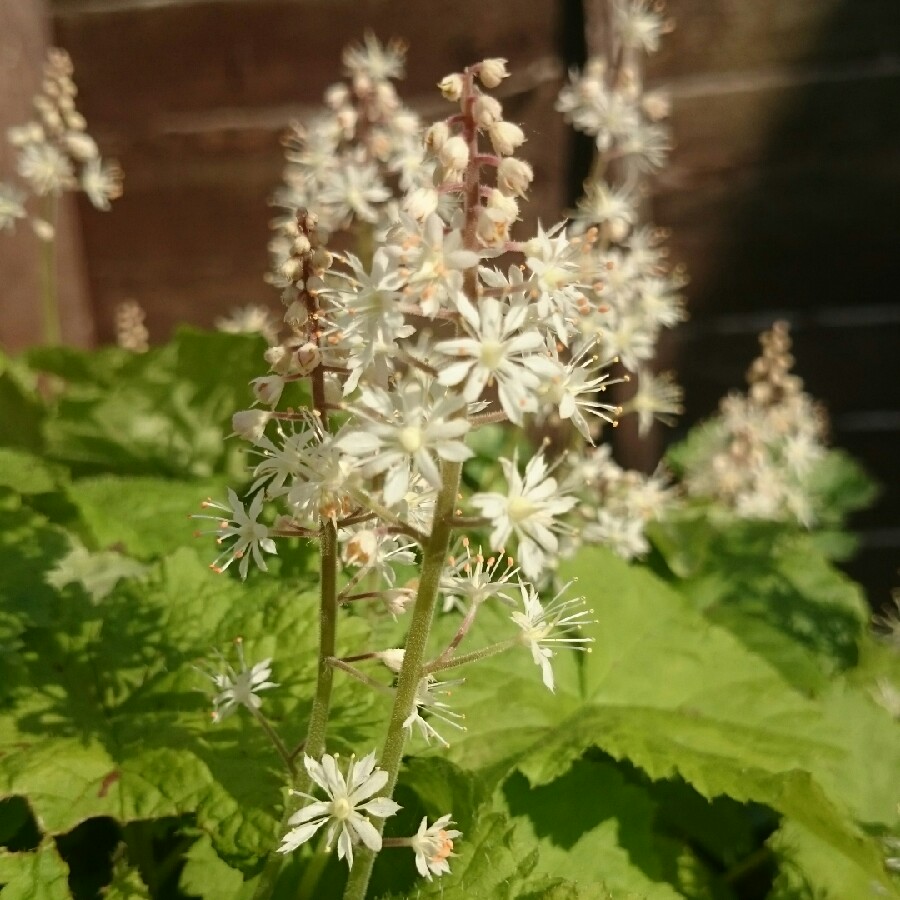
x,y
760,456
55,154
405,357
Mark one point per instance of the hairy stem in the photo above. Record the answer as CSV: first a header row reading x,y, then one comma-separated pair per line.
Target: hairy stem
x,y
49,293
433,561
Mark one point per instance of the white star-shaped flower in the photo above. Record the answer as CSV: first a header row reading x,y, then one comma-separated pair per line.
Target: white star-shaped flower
x,y
346,809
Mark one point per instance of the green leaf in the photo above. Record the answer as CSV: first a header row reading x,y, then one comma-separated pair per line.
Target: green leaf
x,y
672,693
26,473
41,875
808,867
166,412
112,720
126,883
770,586
147,517
21,412
207,876
496,862
591,826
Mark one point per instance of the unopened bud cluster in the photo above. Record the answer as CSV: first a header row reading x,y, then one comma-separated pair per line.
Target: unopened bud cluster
x,y
55,153
761,451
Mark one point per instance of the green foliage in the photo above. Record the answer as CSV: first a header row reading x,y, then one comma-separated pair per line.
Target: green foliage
x,y
722,740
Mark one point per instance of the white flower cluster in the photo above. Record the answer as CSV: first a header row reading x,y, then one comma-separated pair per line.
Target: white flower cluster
x,y
632,292
617,504
762,449
608,102
346,162
55,153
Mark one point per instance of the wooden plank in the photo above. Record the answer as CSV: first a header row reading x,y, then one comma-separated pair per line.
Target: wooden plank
x,y
196,56
715,36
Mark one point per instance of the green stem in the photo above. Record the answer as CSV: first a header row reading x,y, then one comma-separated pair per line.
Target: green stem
x,y
433,561
441,665
49,296
315,739
272,735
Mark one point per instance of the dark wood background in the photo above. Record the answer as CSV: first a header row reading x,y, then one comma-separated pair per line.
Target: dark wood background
x,y
783,192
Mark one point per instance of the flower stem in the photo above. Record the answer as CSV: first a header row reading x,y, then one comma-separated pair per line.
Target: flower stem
x,y
435,555
49,295
272,735
441,664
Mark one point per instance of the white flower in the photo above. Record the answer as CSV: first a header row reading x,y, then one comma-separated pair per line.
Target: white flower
x,y
250,319
656,397
544,628
101,182
248,533
250,424
428,693
470,580
433,845
375,60
496,350
12,205
352,190
622,532
638,25
343,811
572,390
403,430
528,509
451,86
46,169
234,689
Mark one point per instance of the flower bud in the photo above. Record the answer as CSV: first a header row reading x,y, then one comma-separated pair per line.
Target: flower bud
x,y
296,314
322,259
486,110
43,230
81,146
290,268
454,154
307,358
250,423
360,550
393,658
657,106
421,202
492,71
451,86
268,389
504,205
337,95
492,227
617,229
514,176
436,137
506,137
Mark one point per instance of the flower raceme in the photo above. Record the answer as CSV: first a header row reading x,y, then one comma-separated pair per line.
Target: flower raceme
x,y
396,355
